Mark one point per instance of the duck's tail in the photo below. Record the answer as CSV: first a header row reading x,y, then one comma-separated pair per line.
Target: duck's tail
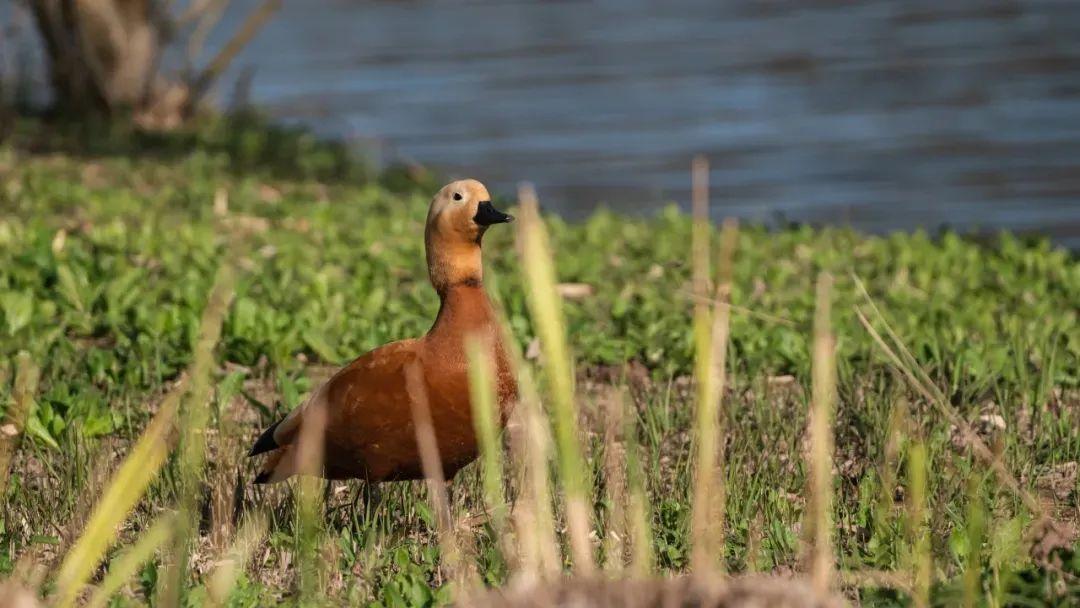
x,y
281,438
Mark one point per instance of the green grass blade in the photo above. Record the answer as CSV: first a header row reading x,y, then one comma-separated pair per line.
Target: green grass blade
x,y
545,304
821,439
975,528
485,423
193,425
124,490
918,532
127,564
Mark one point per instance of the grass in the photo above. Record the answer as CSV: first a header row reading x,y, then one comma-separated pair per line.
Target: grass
x,y
108,261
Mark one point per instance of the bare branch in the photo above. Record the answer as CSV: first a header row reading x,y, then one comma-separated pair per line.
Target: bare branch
x,y
251,26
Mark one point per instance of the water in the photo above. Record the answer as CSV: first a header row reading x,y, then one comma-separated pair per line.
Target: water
x,y
879,114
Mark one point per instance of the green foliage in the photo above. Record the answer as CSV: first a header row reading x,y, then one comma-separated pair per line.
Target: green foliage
x,y
106,258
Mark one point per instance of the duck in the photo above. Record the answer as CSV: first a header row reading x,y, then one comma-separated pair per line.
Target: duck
x,y
365,408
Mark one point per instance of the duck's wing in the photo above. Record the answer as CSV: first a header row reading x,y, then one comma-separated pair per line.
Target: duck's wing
x,y
377,372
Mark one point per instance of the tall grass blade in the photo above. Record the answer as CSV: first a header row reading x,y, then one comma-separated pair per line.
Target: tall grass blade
x,y
894,439
533,518
308,494
127,564
617,490
641,538
223,579
711,333
975,524
918,533
536,554
193,424
124,489
453,559
26,382
702,552
545,304
701,229
485,422
821,439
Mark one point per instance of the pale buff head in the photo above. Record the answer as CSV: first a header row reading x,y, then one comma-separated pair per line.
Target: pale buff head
x,y
459,215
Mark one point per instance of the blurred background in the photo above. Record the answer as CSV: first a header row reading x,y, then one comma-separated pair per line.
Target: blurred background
x,y
879,114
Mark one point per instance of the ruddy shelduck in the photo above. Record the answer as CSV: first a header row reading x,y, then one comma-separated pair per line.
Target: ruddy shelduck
x,y
365,409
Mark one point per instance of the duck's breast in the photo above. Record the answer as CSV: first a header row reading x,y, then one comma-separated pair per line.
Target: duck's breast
x,y
369,433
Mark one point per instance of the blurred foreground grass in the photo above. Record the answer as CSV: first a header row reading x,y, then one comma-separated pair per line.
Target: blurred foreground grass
x,y
108,254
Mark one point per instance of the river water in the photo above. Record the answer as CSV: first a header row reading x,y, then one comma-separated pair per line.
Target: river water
x,y
879,114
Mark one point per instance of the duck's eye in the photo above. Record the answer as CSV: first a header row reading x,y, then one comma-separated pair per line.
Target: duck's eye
x,y
457,196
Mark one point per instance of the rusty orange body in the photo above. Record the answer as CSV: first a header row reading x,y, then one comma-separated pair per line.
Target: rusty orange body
x,y
366,406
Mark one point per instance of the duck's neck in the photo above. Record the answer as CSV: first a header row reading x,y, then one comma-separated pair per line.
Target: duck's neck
x,y
464,307
452,263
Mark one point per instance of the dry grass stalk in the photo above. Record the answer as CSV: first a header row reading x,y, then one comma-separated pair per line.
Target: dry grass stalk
x,y
533,518
308,495
545,305
536,555
639,513
642,558
223,579
876,578
699,243
26,381
193,425
226,484
125,489
711,329
615,423
821,439
455,565
127,564
905,364
703,555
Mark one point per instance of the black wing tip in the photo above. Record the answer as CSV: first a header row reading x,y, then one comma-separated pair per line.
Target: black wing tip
x,y
262,478
265,442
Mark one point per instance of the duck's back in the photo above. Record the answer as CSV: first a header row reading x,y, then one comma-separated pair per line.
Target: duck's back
x,y
367,405
370,432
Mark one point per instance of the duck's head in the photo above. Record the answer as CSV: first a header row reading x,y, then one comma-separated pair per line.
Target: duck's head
x,y
459,215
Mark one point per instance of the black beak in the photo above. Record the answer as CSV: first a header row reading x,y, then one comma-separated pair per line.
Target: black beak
x,y
487,215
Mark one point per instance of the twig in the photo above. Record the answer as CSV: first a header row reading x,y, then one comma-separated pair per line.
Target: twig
x,y
210,14
251,26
